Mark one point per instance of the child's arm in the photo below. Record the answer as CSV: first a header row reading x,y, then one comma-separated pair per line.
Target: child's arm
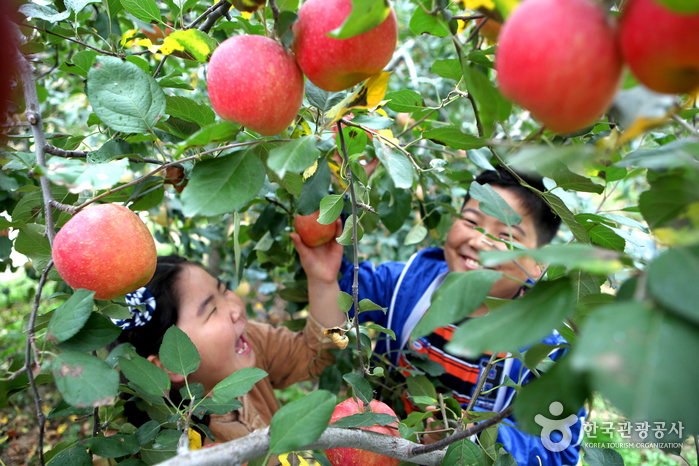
x,y
322,264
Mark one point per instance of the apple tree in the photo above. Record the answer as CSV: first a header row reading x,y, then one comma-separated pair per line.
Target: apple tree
x,y
107,101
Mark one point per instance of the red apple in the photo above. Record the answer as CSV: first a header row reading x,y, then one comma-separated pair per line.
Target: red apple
x,y
353,456
338,64
660,46
311,232
106,249
254,82
559,60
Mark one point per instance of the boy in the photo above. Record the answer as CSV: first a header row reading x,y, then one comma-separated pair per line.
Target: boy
x,y
406,289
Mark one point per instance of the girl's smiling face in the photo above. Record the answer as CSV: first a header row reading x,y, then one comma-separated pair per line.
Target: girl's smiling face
x,y
214,319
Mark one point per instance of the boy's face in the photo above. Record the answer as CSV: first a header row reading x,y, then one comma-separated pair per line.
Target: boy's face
x,y
464,243
214,319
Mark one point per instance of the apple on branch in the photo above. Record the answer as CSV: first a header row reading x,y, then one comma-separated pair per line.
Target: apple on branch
x,y
354,456
106,249
255,82
311,232
559,60
338,64
660,46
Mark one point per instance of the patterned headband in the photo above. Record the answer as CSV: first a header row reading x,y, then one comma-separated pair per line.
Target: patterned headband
x,y
138,317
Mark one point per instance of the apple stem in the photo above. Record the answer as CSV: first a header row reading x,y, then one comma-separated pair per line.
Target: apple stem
x,y
355,282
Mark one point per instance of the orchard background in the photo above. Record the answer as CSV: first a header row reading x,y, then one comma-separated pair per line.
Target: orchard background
x,y
622,273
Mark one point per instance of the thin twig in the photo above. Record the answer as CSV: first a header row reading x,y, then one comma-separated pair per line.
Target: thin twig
x,y
275,11
478,27
206,13
387,140
682,122
606,196
480,427
242,144
134,182
28,360
355,283
214,16
80,154
468,18
481,382
160,66
96,49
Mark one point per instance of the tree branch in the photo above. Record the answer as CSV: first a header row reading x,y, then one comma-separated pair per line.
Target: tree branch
x,y
256,445
96,49
355,282
80,154
206,13
28,360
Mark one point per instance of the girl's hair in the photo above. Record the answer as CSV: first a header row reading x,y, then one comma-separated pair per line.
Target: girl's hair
x,y
148,338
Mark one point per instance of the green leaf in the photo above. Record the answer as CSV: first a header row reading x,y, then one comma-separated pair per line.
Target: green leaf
x,y
567,216
345,301
388,332
114,446
450,69
330,208
301,422
492,204
396,163
219,131
672,281
223,185
668,197
626,346
192,43
177,352
79,176
424,23
360,386
97,333
419,385
32,243
491,105
211,406
603,236
367,419
70,317
314,189
366,305
355,140
602,456
451,136
345,238
676,154
568,180
145,10
84,380
189,110
147,432
561,384
365,16
394,208
76,455
321,99
80,63
123,96
237,384
294,156
517,323
456,298
149,377
416,234
110,150
31,206
405,101
47,13
464,453
573,256
373,122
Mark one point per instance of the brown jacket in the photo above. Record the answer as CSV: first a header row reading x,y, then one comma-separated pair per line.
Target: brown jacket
x,y
288,357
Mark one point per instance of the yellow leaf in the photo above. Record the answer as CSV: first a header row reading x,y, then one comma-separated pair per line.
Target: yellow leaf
x,y
284,459
388,134
307,173
370,95
195,440
148,44
475,4
128,35
640,126
302,129
61,428
337,170
246,14
686,235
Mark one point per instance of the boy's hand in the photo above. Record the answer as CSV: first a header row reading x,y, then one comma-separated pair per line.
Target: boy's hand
x,y
321,263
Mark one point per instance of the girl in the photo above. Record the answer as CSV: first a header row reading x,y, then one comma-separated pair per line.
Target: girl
x,y
182,293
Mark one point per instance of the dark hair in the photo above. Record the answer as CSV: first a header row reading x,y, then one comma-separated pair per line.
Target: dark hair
x,y
546,222
148,338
